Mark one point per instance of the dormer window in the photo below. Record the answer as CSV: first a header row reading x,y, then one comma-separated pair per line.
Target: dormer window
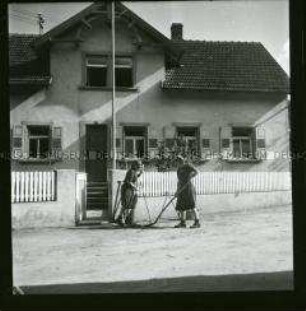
x,y
98,71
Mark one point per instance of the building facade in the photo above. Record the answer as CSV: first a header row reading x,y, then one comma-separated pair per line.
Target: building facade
x,y
224,104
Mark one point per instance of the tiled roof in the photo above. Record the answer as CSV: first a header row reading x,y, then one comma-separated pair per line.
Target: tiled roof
x,y
226,66
204,65
26,67
21,49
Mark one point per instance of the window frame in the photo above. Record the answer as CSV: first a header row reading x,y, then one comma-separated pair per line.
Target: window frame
x,y
252,141
108,86
134,138
38,138
86,65
131,67
24,150
188,138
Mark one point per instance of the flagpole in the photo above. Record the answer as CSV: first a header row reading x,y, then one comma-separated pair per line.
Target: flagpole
x,y
114,153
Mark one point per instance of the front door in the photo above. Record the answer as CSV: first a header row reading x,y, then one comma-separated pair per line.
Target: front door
x,y
96,169
96,150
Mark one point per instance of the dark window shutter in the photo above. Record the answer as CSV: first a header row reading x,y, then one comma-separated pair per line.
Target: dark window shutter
x,y
205,143
153,143
56,142
170,142
260,142
225,143
17,142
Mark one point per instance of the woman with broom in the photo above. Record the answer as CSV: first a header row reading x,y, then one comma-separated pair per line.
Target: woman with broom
x,y
186,195
129,195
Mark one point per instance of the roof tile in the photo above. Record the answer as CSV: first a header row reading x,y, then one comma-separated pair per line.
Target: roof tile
x,y
232,66
25,65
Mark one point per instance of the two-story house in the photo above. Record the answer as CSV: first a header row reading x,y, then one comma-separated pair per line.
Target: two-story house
x,y
226,100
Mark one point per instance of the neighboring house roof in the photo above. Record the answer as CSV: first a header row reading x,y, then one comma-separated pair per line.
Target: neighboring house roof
x,y
203,65
26,66
226,66
20,48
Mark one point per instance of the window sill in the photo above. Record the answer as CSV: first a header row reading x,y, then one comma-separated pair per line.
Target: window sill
x,y
242,160
42,161
131,159
108,89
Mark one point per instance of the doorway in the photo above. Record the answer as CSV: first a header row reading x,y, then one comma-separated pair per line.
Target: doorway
x,y
96,169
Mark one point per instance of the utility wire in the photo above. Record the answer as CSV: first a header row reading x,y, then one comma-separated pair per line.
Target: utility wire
x,y
34,16
23,15
25,20
24,12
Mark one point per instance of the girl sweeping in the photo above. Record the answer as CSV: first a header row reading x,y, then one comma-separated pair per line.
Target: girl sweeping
x,y
129,196
186,195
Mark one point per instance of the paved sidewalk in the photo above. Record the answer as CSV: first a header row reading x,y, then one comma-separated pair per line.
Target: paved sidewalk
x,y
232,251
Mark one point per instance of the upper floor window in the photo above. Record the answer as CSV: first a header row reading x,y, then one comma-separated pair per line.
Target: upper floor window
x,y
96,71
99,71
124,71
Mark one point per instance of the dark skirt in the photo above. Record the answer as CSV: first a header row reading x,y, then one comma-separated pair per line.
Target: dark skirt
x,y
129,197
186,199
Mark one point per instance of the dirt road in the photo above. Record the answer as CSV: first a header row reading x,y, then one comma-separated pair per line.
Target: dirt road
x,y
234,243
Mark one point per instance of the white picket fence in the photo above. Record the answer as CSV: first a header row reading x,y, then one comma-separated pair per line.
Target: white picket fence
x,y
160,184
33,186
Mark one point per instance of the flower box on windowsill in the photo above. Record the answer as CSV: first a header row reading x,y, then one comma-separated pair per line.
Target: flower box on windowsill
x,y
237,160
108,89
38,161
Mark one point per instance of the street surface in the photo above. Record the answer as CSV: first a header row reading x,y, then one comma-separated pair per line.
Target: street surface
x,y
227,249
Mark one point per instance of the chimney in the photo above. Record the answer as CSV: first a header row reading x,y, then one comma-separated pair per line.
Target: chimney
x,y
177,31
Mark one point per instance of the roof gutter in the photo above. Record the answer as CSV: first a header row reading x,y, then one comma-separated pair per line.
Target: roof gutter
x,y
31,81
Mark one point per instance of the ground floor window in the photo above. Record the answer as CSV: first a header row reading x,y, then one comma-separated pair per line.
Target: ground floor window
x,y
39,141
243,139
36,142
188,139
135,141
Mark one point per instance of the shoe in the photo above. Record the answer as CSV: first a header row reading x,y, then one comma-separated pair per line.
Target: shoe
x,y
196,225
133,225
181,225
120,222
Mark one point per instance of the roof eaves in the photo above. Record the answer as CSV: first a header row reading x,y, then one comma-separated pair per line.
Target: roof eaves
x,y
47,37
45,80
64,25
224,89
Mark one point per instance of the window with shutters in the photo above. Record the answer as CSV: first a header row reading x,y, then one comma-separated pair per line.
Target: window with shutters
x,y
135,141
34,142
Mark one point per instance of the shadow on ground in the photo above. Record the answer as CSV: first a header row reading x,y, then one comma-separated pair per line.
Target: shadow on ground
x,y
236,282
